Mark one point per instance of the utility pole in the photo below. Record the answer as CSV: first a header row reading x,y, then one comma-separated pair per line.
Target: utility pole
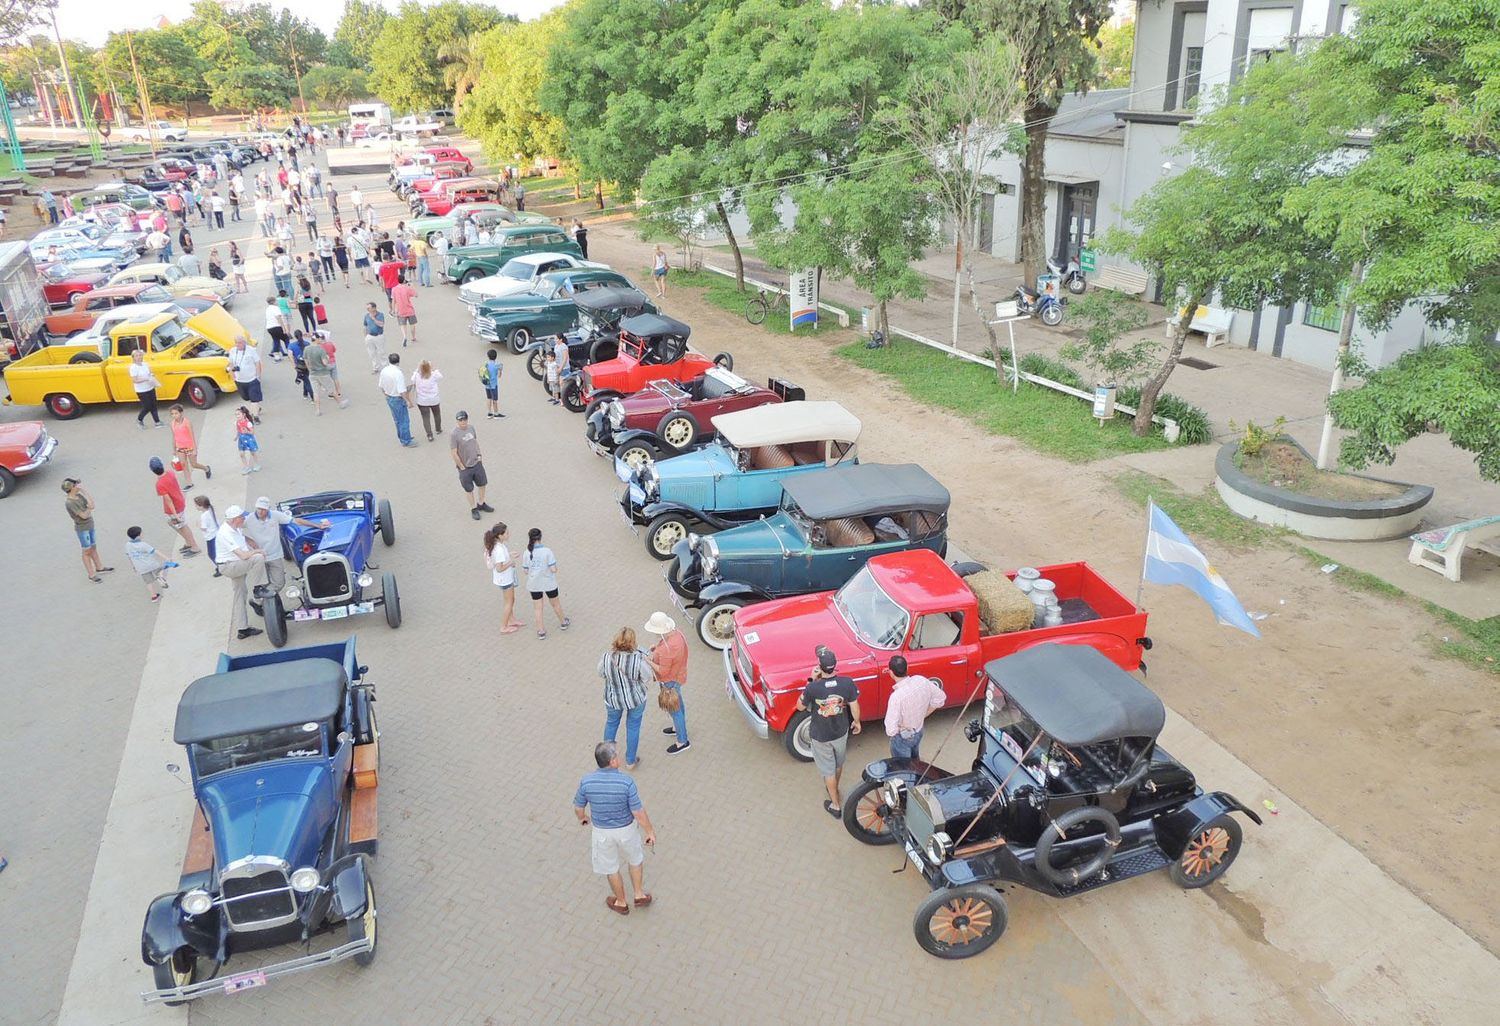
x,y
296,70
144,95
62,57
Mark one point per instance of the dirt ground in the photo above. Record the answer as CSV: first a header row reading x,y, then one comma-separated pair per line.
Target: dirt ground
x,y
1340,704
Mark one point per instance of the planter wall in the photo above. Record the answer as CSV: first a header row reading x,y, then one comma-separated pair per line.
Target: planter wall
x,y
1365,520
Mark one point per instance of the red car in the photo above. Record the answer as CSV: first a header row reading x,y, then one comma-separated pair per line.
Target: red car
x,y
666,418
174,169
915,605
24,447
63,287
450,155
418,189
447,195
652,348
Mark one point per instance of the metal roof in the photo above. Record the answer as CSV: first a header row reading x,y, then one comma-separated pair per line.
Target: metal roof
x,y
649,325
866,490
788,424
1091,115
611,299
259,698
1078,696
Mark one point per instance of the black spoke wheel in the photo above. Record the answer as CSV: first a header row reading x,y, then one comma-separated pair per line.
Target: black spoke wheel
x,y
1209,852
536,364
866,815
179,970
960,922
572,397
755,310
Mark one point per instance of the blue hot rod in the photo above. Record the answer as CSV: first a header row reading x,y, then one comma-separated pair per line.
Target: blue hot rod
x,y
284,757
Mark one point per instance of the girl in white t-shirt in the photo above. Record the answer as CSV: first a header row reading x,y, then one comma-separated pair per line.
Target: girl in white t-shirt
x,y
208,523
502,564
541,579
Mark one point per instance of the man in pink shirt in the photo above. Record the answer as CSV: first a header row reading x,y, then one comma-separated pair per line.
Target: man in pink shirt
x,y
668,657
403,301
912,698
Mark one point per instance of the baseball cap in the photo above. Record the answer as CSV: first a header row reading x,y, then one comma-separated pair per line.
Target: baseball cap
x,y
462,415
156,464
827,661
68,483
262,503
232,512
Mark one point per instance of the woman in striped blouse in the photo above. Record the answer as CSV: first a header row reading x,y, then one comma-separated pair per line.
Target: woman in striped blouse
x,y
627,675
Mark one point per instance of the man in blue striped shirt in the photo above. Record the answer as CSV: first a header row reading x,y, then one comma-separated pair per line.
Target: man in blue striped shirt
x,y
610,796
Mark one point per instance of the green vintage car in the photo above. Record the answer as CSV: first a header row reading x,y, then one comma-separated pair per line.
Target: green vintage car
x,y
467,263
488,215
547,309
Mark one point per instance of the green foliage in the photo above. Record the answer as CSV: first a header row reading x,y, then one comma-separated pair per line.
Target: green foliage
x,y
1455,387
1052,370
408,72
168,60
1192,421
249,87
1256,436
1106,317
354,38
1202,516
253,34
726,295
503,112
16,16
330,85
1116,52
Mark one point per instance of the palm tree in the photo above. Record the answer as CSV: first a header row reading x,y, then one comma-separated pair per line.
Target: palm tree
x,y
463,63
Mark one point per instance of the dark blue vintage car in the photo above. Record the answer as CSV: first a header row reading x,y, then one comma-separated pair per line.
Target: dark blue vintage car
x,y
284,757
830,522
338,578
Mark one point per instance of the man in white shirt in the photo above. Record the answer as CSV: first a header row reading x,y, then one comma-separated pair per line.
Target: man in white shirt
x,y
241,560
263,215
244,364
357,198
398,397
263,527
281,269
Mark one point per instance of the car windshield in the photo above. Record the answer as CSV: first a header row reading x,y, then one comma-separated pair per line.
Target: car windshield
x,y
53,273
172,274
153,294
302,740
519,270
1016,732
874,618
167,336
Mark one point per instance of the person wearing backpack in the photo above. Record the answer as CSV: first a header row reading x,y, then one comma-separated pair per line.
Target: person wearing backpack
x,y
489,375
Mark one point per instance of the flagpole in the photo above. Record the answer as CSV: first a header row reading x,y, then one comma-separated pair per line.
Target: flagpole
x,y
1145,550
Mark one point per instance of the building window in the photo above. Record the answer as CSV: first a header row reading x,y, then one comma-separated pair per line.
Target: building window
x,y
1192,73
1329,318
1270,30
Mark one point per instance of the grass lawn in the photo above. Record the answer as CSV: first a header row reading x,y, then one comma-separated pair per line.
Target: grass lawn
x,y
723,293
1049,422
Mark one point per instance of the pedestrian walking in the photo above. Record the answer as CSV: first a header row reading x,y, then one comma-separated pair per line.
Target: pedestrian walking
x,y
323,371
463,443
310,221
520,196
49,202
613,801
150,564
659,272
281,270
173,505
375,336
440,249
669,658
424,386
245,366
284,315
236,198
341,257
158,246
489,375
360,251
912,698
298,351
502,564
263,526
333,200
581,236
216,204
626,674
325,257
246,442
185,239
185,445
208,523
832,704
398,397
403,301
237,268
315,268
389,273
420,252
190,265
143,380
242,561
80,507
356,199
307,304
541,580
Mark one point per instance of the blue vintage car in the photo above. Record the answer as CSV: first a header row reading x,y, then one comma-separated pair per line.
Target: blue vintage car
x,y
338,576
829,523
738,476
284,757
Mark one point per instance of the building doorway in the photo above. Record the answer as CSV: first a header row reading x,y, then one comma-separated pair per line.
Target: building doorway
x,y
1080,204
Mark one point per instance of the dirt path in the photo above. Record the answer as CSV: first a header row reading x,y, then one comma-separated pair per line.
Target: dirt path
x,y
1339,704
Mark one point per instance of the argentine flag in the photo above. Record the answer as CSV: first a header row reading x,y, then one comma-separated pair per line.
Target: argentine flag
x,y
1171,558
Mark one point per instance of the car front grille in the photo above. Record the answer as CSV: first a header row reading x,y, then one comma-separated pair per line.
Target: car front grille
x,y
742,663
260,900
327,580
469,297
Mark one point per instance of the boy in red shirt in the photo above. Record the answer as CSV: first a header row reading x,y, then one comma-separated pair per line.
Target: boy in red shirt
x,y
390,273
173,505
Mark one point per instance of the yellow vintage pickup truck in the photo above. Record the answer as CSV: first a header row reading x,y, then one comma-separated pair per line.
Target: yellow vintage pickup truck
x,y
190,366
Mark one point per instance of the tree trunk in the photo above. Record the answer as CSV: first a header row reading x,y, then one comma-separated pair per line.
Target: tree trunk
x,y
1034,191
734,245
599,193
1152,388
984,319
578,188
1346,336
958,269
885,324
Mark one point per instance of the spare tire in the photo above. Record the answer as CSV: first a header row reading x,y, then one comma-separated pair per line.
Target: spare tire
x,y
86,356
725,360
1071,876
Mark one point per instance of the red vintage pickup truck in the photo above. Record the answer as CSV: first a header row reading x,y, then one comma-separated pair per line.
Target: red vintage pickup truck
x,y
915,605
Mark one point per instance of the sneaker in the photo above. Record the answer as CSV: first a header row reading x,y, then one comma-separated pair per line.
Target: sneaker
x,y
170,566
248,632
474,512
681,747
669,731
208,472
187,487
485,507
255,469
245,471
566,623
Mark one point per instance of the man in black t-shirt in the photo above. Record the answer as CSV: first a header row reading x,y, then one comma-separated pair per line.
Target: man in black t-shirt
x,y
833,703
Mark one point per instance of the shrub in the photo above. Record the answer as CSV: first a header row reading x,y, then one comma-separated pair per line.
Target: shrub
x,y
1191,419
1056,370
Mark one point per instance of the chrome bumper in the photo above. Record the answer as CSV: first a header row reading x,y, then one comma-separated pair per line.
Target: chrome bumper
x,y
484,331
258,977
732,685
42,457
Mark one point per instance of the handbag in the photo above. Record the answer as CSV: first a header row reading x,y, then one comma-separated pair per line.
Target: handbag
x,y
669,699
320,312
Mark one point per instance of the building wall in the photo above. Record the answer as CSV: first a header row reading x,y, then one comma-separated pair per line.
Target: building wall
x,y
1073,158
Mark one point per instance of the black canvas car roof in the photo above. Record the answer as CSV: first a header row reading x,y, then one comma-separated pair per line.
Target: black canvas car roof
x,y
611,298
649,325
258,698
1076,695
866,489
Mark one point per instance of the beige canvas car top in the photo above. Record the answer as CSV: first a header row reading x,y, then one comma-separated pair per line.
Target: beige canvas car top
x,y
788,424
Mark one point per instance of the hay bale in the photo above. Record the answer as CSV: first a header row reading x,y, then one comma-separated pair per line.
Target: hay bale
x,y
1003,607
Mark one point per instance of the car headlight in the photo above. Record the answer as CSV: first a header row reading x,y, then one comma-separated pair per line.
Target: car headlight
x,y
197,901
305,879
291,593
616,414
938,847
365,580
650,482
708,559
893,793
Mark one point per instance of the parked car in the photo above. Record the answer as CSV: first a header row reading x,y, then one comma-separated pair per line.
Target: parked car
x,y
549,309
486,215
739,476
67,378
62,287
467,263
668,418
454,191
915,605
520,275
177,169
284,756
165,131
80,258
137,195
84,235
595,336
171,278
652,347
334,562
1069,791
25,446
828,525
413,125
417,180
87,308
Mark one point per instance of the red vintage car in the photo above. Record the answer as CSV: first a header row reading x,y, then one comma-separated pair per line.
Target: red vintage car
x,y
85,310
915,605
450,155
174,169
447,195
420,188
666,417
24,447
63,287
652,348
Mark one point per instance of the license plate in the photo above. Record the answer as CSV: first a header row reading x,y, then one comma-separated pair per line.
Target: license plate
x,y
244,981
626,517
911,853
335,612
305,614
675,599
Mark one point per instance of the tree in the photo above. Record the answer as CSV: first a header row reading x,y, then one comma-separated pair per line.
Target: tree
x,y
1116,52
405,74
168,61
16,16
504,111
354,38
463,65
334,86
248,87
1106,317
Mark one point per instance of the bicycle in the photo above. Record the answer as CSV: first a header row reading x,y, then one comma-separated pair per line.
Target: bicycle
x,y
763,303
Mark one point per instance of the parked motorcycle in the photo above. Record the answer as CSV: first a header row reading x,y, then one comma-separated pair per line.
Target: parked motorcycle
x,y
1070,275
1045,305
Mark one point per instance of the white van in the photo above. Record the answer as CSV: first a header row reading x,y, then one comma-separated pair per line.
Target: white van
x,y
369,114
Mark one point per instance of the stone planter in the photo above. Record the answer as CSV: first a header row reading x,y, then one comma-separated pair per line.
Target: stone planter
x,y
1342,520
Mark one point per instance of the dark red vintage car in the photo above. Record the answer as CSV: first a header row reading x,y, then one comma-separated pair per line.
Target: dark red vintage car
x,y
63,287
652,348
666,418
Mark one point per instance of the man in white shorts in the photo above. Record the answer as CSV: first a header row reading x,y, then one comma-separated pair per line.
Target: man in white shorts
x,y
610,796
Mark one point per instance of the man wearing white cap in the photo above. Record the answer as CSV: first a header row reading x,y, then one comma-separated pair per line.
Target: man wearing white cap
x,y
264,528
668,657
242,561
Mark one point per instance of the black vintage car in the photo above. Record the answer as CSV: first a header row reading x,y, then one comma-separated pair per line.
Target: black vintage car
x,y
596,334
1069,791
